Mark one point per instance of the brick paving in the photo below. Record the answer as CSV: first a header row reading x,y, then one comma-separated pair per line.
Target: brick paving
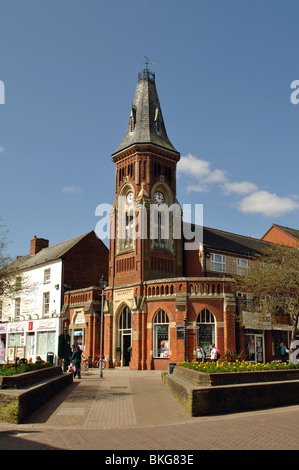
x,y
132,410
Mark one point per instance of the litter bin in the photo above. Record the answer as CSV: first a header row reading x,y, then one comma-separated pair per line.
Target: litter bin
x,y
50,357
171,366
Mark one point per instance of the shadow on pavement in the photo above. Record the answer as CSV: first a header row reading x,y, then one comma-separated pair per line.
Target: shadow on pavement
x,y
13,440
45,411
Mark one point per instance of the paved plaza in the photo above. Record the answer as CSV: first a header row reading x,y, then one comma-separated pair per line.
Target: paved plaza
x,y
132,410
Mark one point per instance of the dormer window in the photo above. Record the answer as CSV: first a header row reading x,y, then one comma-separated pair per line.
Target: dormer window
x,y
158,121
132,120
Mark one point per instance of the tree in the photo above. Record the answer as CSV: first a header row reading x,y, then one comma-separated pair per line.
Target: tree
x,y
273,280
10,276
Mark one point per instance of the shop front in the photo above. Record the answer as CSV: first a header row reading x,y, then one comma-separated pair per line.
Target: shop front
x,y
30,339
263,337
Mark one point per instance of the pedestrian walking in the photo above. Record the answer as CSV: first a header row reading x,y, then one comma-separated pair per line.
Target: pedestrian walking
x,y
200,353
215,353
76,358
283,352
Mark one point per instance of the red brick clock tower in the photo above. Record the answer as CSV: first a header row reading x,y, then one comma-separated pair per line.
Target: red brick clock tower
x,y
145,174
140,248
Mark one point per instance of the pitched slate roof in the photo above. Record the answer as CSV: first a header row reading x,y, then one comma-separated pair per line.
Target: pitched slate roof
x,y
145,113
49,254
220,240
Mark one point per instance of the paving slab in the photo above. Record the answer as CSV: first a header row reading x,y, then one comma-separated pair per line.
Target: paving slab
x,y
132,410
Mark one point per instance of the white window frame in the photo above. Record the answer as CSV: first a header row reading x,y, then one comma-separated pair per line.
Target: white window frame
x,y
242,266
218,264
246,298
47,275
46,305
17,308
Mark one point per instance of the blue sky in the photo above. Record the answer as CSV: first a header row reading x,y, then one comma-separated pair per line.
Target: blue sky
x,y
223,72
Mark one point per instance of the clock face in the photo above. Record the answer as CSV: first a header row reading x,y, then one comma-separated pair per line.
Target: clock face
x,y
130,198
158,197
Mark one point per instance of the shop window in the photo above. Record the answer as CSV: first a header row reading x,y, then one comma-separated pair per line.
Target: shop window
x,y
161,334
45,343
15,339
205,329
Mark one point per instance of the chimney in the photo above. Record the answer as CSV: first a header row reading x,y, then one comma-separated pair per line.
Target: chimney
x,y
37,244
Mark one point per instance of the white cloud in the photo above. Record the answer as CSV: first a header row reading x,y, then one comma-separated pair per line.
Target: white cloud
x,y
201,171
71,189
244,187
254,201
1,149
267,204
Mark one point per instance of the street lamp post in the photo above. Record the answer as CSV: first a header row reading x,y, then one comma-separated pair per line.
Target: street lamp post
x,y
103,284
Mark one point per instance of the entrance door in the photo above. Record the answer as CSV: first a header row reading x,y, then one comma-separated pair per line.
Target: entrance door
x,y
30,345
254,347
126,355
259,348
125,330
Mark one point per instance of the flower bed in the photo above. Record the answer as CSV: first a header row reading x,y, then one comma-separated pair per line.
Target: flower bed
x,y
238,366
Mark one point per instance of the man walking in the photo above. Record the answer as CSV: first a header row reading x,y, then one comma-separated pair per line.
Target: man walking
x,y
76,358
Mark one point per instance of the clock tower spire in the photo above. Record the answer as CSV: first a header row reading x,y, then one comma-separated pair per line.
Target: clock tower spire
x,y
145,175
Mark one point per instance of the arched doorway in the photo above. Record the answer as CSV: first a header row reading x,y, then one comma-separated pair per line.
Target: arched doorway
x,y
125,335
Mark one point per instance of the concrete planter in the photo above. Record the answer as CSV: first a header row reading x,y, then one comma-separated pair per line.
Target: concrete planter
x,y
213,394
29,378
230,378
22,394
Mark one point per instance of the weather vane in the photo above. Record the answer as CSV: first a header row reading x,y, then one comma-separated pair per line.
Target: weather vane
x,y
147,62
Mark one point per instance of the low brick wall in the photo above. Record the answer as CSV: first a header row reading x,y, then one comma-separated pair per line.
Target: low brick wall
x,y
18,403
28,379
208,398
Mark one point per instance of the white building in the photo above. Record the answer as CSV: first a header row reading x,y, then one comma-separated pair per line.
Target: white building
x,y
31,320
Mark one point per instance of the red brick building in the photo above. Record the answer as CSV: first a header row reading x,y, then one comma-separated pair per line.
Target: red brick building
x,y
156,285
165,295
282,235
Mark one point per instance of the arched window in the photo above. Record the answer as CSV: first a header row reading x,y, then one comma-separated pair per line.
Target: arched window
x,y
125,319
205,329
161,334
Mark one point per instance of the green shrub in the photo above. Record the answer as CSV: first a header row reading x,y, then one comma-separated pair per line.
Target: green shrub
x,y
10,369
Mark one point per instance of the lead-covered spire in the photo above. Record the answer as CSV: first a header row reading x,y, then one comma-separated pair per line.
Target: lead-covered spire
x,y
146,124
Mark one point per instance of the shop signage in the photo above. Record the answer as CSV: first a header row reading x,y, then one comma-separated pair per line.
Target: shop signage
x,y
79,318
15,327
